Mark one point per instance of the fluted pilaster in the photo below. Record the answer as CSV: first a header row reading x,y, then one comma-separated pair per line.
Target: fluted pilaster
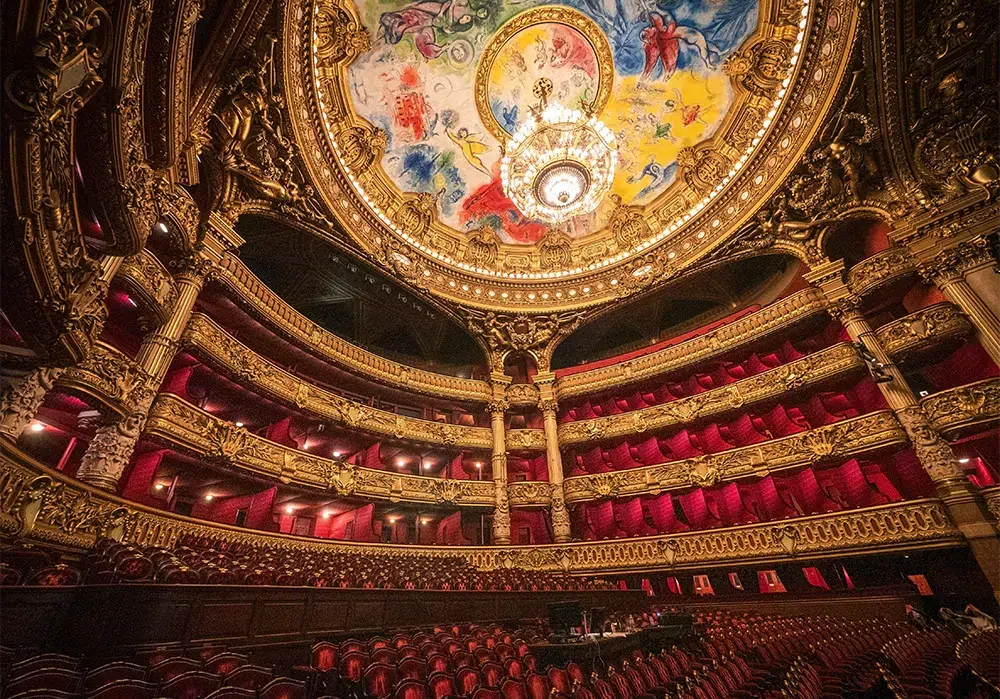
x,y
553,458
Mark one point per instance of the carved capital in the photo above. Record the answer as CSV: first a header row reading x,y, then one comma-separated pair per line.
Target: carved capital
x,y
847,309
951,265
20,403
933,452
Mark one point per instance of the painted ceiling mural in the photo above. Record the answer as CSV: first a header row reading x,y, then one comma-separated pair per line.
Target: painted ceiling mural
x,y
449,80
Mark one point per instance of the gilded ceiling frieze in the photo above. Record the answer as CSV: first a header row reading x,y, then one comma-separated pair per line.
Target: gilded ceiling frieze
x,y
959,410
923,329
258,298
218,441
774,317
797,58
814,368
238,359
39,504
830,442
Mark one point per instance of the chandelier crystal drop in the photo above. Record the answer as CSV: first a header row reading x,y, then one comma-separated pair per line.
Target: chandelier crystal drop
x,y
560,163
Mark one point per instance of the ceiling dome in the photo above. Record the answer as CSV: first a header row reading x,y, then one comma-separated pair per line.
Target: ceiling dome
x,y
414,107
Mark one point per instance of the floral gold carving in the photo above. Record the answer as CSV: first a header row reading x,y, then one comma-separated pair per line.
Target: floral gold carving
x,y
923,329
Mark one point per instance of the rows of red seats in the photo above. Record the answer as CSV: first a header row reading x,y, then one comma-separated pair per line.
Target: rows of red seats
x,y
205,674
720,373
30,565
214,562
981,650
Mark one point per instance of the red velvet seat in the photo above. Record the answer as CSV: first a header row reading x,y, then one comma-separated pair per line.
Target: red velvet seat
x,y
438,663
484,655
45,661
352,645
232,693
408,652
560,680
575,673
442,685
460,659
515,668
538,686
172,667
190,685
112,672
124,689
49,678
379,679
504,651
224,663
59,575
411,689
514,689
384,655
492,674
487,693
249,677
283,688
411,669
324,655
352,666
468,680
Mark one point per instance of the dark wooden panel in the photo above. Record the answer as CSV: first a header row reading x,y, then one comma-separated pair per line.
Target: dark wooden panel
x,y
327,616
224,620
280,617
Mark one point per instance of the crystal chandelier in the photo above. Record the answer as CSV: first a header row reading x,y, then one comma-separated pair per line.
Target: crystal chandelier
x,y
560,163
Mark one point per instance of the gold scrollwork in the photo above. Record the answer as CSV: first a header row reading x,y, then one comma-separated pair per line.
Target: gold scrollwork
x,y
923,329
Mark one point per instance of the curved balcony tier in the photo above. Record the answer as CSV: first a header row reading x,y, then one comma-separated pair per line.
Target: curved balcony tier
x,y
852,436
42,504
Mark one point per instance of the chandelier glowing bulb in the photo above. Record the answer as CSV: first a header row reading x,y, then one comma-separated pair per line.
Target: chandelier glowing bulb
x,y
560,163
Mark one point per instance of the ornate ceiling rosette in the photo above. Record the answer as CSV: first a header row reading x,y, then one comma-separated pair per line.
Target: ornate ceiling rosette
x,y
402,111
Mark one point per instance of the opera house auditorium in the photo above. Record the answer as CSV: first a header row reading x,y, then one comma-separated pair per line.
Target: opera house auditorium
x,y
500,349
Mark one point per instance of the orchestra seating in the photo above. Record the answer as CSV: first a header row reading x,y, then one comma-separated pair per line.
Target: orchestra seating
x,y
731,655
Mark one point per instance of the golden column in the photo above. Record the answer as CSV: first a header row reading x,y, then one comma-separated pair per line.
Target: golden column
x,y
21,402
109,452
963,503
951,271
561,531
501,503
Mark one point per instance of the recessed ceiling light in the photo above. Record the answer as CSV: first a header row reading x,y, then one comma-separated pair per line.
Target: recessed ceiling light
x,y
401,462
964,460
37,427
239,424
209,497
289,509
326,514
336,454
159,486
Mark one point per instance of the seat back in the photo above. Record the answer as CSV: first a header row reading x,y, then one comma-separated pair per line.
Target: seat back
x,y
492,674
170,668
514,689
442,685
124,689
467,679
224,663
283,688
249,677
538,685
410,689
379,679
325,656
190,685
112,672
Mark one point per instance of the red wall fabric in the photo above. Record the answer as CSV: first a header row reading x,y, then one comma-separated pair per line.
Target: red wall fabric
x,y
140,478
362,520
815,578
176,382
259,506
449,531
532,520
769,581
280,432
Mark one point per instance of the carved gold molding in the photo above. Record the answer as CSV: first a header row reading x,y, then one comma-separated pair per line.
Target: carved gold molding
x,y
146,277
41,504
239,360
258,298
959,410
820,366
778,316
923,329
883,267
110,377
196,431
529,494
839,440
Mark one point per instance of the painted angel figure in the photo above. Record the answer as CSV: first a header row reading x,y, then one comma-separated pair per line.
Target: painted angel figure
x,y
662,43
